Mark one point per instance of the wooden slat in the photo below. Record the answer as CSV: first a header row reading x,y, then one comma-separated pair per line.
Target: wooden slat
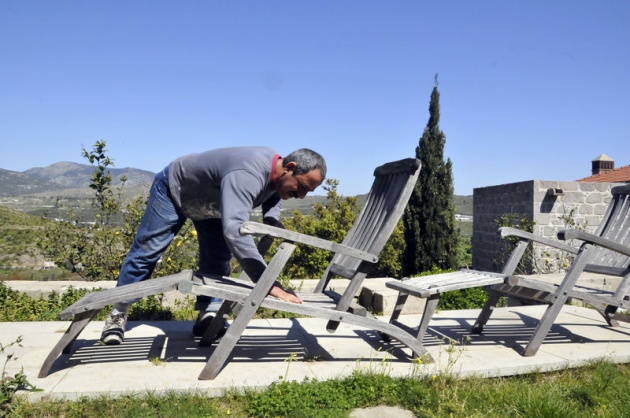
x,y
584,293
100,299
440,283
259,228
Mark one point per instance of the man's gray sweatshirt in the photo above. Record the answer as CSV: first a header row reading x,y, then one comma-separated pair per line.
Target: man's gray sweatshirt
x,y
228,183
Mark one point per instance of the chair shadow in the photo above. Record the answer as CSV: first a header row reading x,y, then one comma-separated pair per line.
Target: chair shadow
x,y
92,351
498,331
264,344
399,351
176,344
503,331
264,347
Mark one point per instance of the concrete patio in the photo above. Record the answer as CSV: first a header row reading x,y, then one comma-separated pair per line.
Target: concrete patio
x,y
160,356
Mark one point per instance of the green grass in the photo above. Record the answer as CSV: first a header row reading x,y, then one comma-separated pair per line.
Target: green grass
x,y
600,390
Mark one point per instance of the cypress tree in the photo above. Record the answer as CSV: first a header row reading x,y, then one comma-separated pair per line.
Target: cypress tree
x,y
429,219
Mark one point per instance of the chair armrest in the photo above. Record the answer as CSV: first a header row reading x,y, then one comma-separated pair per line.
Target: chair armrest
x,y
256,228
524,235
594,239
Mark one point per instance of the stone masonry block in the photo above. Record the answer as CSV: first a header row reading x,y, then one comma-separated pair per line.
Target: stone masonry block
x,y
585,209
592,198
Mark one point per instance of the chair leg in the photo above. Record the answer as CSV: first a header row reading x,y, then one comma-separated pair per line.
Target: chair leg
x,y
225,347
222,351
543,327
215,326
64,345
400,303
429,310
552,311
484,316
347,298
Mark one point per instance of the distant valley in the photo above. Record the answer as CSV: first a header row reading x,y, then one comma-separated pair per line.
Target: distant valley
x,y
40,190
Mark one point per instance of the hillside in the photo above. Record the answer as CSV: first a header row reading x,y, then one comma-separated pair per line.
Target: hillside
x,y
41,190
64,176
76,176
464,205
19,234
13,183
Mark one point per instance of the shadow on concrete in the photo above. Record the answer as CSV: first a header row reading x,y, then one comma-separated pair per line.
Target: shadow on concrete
x,y
92,351
265,345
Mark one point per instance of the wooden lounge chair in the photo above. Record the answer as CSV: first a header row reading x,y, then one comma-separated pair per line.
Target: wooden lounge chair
x,y
607,251
433,286
382,210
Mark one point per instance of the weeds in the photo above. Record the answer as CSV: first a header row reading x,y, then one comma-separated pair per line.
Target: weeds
x,y
9,385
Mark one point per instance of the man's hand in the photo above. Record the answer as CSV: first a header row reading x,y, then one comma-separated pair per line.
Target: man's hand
x,y
287,296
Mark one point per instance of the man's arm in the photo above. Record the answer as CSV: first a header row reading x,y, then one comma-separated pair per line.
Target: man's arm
x,y
238,192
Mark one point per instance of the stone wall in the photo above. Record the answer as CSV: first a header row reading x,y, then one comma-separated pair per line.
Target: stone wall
x,y
552,205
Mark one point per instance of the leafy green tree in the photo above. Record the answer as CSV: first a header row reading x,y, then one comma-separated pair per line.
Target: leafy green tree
x,y
105,202
95,249
92,248
429,219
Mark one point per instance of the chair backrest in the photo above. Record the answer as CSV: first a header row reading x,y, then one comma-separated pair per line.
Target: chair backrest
x,y
385,203
615,226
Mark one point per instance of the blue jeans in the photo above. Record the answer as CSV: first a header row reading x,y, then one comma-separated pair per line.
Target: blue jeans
x,y
160,224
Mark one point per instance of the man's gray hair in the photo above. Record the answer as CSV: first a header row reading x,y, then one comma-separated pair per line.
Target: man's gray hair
x,y
306,160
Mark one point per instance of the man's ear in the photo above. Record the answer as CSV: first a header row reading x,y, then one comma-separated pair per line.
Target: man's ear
x,y
289,166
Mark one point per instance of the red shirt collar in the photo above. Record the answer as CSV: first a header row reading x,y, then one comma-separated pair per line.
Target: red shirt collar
x,y
272,175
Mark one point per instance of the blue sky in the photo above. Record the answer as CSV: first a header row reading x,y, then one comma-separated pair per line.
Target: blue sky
x,y
529,90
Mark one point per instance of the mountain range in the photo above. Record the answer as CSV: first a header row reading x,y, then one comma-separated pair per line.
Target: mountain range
x,y
64,176
72,180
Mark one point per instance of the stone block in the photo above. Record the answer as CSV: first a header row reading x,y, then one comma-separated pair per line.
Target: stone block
x,y
378,298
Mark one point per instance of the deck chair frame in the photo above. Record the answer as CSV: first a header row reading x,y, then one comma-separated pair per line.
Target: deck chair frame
x,y
606,251
385,203
433,286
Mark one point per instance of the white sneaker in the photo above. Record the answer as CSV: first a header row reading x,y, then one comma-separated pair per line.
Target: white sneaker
x,y
114,329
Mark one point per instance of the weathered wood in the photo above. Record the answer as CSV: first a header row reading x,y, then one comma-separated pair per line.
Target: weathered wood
x,y
384,206
406,166
252,302
431,287
65,343
426,286
594,239
605,251
530,237
584,293
493,298
100,299
258,228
